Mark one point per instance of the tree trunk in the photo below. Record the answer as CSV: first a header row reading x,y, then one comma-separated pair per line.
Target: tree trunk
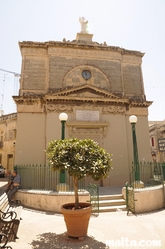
x,y
75,182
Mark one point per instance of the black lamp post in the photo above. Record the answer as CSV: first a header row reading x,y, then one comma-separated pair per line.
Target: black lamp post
x,y
63,118
133,121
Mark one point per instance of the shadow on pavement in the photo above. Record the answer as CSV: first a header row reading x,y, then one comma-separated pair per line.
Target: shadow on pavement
x,y
53,241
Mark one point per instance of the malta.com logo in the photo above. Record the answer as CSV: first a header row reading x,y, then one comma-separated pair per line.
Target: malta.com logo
x,y
126,243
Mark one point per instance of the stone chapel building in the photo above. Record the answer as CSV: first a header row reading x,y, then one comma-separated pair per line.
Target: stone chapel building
x,y
97,85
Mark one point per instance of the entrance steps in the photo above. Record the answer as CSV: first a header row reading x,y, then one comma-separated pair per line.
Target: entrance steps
x,y
111,203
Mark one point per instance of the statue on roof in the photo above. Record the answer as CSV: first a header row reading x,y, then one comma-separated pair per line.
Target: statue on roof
x,y
84,26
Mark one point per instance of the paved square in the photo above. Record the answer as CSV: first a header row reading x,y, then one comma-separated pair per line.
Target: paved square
x,y
39,230
42,230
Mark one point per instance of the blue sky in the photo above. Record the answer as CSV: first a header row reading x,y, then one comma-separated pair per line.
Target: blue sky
x,y
130,24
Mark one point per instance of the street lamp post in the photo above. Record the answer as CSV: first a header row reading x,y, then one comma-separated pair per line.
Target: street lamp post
x,y
133,121
63,118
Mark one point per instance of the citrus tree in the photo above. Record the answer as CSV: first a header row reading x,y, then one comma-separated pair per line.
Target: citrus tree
x,y
80,158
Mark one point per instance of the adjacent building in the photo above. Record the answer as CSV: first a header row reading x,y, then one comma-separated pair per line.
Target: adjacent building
x,y
157,133
8,130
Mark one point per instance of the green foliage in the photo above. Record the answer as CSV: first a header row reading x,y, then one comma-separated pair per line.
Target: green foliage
x,y
79,157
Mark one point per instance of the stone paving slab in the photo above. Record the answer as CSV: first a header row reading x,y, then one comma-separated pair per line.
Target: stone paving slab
x,y
42,230
39,230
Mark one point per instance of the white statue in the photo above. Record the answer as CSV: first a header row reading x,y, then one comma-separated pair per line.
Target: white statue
x,y
83,23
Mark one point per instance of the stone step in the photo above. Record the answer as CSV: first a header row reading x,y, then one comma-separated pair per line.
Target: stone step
x,y
110,197
115,202
112,209
112,203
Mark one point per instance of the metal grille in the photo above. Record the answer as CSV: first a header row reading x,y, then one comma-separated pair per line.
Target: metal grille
x,y
42,177
151,174
130,201
93,190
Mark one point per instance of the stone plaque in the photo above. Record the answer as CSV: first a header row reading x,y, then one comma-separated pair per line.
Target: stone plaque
x,y
87,115
161,144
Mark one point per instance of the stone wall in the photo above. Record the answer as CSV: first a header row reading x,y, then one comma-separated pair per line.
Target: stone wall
x,y
147,199
59,65
47,201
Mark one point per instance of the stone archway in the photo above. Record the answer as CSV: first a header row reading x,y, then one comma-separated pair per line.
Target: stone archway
x,y
98,78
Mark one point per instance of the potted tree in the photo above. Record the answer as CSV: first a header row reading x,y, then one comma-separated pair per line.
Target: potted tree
x,y
80,158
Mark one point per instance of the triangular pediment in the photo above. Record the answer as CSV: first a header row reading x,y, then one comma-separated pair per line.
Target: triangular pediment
x,y
81,94
85,91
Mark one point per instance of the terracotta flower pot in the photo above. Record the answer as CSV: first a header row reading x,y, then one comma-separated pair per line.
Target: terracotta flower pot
x,y
76,220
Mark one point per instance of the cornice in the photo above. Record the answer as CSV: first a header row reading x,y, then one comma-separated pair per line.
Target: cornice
x,y
77,99
65,100
31,99
87,124
79,45
8,118
98,101
74,126
140,104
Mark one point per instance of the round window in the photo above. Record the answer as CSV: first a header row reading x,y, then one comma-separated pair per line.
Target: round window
x,y
86,74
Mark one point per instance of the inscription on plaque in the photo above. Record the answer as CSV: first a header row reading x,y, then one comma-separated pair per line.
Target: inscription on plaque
x,y
87,115
161,144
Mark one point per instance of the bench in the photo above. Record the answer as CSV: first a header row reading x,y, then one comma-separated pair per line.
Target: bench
x,y
4,241
10,216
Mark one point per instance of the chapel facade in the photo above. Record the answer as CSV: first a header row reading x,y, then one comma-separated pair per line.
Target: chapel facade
x,y
97,85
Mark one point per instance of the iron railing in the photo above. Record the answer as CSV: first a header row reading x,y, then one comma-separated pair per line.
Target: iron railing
x,y
93,190
151,174
130,200
42,177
